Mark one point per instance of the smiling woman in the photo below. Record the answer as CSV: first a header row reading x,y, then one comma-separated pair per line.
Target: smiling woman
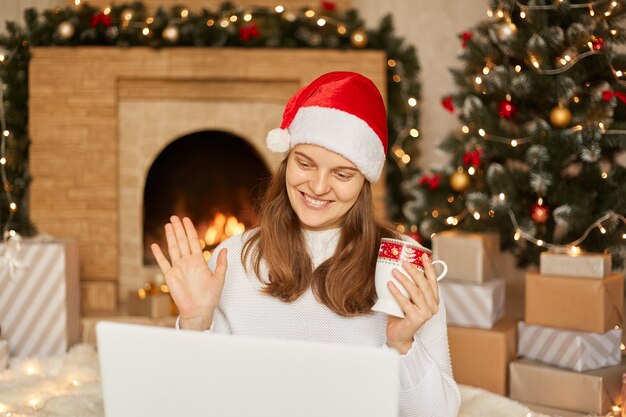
x,y
307,271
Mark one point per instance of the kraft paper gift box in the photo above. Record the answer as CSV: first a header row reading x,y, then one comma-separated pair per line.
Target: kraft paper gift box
x,y
474,305
481,357
590,265
155,306
4,355
578,351
470,256
39,305
588,305
585,392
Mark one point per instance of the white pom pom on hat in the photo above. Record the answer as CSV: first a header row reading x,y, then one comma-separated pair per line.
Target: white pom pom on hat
x,y
342,112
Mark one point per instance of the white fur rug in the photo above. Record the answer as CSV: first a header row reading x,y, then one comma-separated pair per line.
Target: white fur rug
x,y
70,387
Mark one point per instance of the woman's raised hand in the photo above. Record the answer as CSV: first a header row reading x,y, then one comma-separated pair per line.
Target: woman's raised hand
x,y
196,289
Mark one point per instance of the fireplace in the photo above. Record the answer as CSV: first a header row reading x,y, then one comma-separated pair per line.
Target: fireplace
x,y
215,178
101,119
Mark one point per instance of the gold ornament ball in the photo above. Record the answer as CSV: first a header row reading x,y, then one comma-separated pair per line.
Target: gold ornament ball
x,y
358,39
170,33
66,30
560,116
459,181
506,31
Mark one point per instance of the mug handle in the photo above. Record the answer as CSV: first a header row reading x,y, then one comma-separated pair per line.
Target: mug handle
x,y
445,269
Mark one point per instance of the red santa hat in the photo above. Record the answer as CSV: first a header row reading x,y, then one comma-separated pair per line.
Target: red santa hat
x,y
342,112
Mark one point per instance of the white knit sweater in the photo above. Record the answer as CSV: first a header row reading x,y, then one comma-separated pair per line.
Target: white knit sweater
x,y
427,387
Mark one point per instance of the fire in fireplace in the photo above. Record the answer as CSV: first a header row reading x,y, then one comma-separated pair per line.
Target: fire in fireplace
x,y
213,177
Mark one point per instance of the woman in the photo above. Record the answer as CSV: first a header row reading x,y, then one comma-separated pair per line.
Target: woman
x,y
307,272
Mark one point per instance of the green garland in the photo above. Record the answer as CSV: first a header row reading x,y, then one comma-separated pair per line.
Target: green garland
x,y
128,25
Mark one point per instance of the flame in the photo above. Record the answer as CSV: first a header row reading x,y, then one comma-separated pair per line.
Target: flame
x,y
221,228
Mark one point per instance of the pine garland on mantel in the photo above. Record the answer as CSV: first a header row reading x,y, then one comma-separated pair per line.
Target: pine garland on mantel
x,y
130,25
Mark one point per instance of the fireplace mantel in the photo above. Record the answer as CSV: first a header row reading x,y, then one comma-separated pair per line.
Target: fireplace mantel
x,y
90,107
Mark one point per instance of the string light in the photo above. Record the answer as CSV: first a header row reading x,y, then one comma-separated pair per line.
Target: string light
x,y
471,170
465,129
482,132
321,22
279,9
412,102
414,133
476,215
309,13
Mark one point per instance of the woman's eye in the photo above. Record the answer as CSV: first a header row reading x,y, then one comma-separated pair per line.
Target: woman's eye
x,y
343,176
303,164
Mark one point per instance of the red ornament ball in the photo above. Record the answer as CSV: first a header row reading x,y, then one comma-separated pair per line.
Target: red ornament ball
x,y
448,104
507,109
539,213
597,43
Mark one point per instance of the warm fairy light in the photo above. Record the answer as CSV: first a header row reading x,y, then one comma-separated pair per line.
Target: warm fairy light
x,y
391,63
602,229
486,70
576,99
398,151
279,9
500,14
127,15
508,97
613,4
6,133
150,20
513,143
210,22
3,161
309,13
36,402
604,175
396,78
577,128
164,288
435,214
75,382
539,242
471,170
31,368
607,13
591,12
518,68
145,31
2,57
613,32
107,10
476,215
406,158
622,347
489,12
574,250
13,206
450,220
563,61
233,18
522,14
224,23
619,73
341,29
624,236
184,13
616,408
482,132
540,201
478,80
412,102
247,17
567,58
414,132
492,213
401,228
12,233
465,129
451,199
517,234
501,196
141,293
321,22
77,3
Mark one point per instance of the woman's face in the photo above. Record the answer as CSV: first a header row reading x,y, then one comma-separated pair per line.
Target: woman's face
x,y
322,186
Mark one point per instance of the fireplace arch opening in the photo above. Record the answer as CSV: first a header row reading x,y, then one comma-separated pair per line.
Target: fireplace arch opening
x,y
213,177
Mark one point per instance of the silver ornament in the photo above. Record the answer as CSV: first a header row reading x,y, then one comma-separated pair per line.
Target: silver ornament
x,y
171,33
66,30
506,31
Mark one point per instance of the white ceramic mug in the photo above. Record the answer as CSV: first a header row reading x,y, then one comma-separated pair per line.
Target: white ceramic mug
x,y
391,254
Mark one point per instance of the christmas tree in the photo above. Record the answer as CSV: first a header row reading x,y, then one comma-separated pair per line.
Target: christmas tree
x,y
541,104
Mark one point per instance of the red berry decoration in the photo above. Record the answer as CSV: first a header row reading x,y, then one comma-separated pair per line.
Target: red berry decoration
x,y
329,6
101,19
447,104
539,213
465,38
506,109
249,32
597,43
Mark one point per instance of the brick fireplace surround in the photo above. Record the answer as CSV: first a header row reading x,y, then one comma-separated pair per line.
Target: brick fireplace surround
x,y
99,116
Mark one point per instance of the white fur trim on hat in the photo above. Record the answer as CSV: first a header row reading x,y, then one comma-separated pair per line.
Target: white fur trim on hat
x,y
343,133
278,140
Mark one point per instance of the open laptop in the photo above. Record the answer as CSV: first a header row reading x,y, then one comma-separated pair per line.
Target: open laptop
x,y
159,372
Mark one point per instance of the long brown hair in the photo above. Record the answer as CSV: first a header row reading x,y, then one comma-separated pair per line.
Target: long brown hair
x,y
345,281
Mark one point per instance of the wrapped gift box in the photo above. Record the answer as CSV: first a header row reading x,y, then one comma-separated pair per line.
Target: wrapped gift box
x,y
549,411
481,357
39,307
474,305
470,256
4,355
588,305
578,351
586,392
589,265
155,306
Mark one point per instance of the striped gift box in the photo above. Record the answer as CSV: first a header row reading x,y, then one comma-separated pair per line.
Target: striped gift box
x,y
578,351
39,307
474,305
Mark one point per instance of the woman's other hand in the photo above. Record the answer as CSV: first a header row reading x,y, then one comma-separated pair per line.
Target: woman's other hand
x,y
422,304
196,289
